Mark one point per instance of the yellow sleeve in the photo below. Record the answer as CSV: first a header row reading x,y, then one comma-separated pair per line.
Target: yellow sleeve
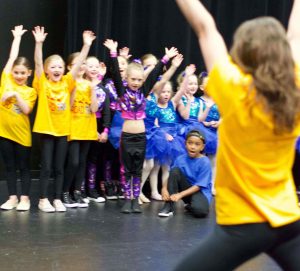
x,y
70,81
32,98
225,84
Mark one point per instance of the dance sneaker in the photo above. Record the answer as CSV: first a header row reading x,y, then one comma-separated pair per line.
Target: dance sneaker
x,y
110,191
9,204
120,193
84,197
67,200
79,200
135,207
45,206
58,205
94,196
126,209
24,205
167,210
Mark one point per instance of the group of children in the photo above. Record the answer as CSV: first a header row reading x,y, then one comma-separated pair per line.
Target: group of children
x,y
107,128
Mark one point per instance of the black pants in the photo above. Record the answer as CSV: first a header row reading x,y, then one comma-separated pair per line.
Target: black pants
x,y
227,247
16,156
76,164
54,151
177,182
132,153
296,170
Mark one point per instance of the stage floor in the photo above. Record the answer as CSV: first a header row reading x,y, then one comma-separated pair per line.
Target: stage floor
x,y
102,238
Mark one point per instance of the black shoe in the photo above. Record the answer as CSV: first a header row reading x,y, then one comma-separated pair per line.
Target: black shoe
x,y
167,210
110,191
94,196
84,197
78,198
135,206
126,209
120,193
67,200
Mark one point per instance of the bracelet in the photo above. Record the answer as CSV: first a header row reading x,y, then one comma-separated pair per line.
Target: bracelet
x,y
106,130
100,77
165,59
113,54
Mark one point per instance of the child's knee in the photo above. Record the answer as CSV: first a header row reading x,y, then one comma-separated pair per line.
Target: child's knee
x,y
199,211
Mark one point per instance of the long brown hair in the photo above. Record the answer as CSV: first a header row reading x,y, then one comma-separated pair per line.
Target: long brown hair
x,y
260,48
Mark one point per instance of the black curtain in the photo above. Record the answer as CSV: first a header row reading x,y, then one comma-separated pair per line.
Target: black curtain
x,y
148,26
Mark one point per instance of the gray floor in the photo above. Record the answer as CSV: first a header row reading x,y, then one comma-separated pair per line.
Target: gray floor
x,y
101,238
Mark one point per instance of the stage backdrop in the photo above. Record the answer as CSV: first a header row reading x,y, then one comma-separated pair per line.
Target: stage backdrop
x,y
143,25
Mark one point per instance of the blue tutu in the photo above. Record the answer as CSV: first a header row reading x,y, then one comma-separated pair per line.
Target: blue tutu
x,y
169,150
116,130
211,138
154,146
298,145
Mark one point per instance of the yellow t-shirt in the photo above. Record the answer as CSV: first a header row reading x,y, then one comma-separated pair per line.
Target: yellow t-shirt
x,y
53,112
14,124
254,181
83,120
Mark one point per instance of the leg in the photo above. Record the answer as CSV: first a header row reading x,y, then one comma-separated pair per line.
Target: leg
x,y
60,153
7,148
72,164
227,247
199,205
23,155
286,251
154,176
147,167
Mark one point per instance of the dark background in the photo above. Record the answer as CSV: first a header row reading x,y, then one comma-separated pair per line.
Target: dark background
x,y
142,25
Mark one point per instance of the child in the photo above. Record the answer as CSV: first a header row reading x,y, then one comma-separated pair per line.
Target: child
x,y
189,180
17,101
96,159
133,138
256,92
153,133
53,114
84,104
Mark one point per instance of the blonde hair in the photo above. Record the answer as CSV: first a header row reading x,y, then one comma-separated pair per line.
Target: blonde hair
x,y
260,48
51,58
147,56
134,66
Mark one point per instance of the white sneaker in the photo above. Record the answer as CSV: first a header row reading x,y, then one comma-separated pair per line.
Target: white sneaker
x,y
45,206
9,204
58,205
24,205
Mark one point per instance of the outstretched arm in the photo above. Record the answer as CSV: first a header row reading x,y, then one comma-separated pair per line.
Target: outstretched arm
x,y
211,42
14,51
39,36
293,32
88,38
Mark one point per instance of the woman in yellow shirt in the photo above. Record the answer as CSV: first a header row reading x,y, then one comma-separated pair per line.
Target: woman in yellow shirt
x,y
53,114
17,101
256,91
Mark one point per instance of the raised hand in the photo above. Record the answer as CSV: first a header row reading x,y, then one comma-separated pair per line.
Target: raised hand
x,y
177,60
111,45
39,34
18,31
88,37
190,70
170,53
124,52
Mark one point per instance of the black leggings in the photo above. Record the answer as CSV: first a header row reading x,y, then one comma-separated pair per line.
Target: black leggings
x,y
177,182
54,150
16,155
76,164
132,153
227,247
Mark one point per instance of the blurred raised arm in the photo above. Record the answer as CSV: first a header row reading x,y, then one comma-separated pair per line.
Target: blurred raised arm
x,y
211,42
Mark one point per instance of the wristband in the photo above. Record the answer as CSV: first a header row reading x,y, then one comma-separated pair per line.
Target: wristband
x,y
165,59
100,77
106,130
113,54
